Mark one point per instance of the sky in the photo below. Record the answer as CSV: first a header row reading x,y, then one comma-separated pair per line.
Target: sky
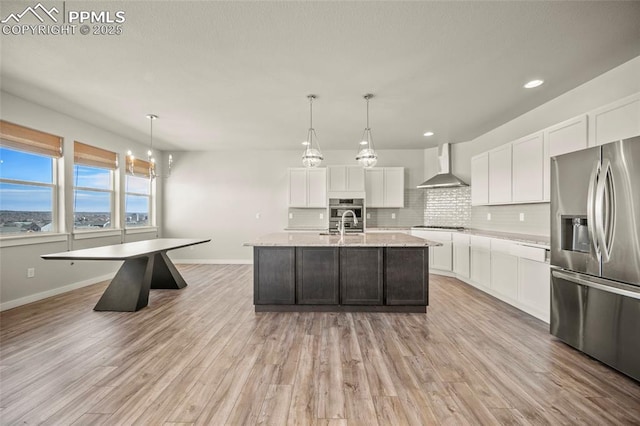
x,y
37,168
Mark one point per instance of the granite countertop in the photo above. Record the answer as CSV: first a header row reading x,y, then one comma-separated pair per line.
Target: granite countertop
x,y
314,239
540,240
537,240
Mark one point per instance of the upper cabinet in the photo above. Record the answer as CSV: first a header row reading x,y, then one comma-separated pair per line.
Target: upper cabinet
x,y
307,187
480,179
528,157
345,178
568,136
519,171
384,187
618,120
500,175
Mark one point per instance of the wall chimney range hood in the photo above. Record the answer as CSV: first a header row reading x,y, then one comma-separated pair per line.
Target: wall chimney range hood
x,y
444,179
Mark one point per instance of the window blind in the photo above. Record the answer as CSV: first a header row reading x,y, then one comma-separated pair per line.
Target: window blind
x,y
92,156
140,167
30,140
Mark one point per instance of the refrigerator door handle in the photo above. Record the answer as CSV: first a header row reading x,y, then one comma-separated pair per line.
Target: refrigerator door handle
x,y
603,217
591,206
599,284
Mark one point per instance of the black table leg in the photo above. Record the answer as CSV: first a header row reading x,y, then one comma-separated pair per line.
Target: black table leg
x,y
165,274
129,289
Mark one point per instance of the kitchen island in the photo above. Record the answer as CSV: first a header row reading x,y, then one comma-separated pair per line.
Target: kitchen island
x,y
375,272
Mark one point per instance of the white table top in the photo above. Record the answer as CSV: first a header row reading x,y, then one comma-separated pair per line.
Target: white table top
x,y
126,250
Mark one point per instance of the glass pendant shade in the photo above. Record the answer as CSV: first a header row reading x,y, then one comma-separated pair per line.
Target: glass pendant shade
x,y
367,156
311,157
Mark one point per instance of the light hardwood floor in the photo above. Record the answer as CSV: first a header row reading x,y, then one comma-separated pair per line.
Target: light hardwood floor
x,y
201,355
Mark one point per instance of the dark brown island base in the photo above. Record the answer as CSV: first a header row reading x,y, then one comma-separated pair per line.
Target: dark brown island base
x,y
371,272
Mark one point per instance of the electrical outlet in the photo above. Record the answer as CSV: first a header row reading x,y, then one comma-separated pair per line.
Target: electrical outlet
x,y
521,217
31,272
321,215
290,215
393,215
488,216
368,215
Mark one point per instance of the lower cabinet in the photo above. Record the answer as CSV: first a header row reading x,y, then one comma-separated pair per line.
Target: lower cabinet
x,y
534,287
397,277
361,276
407,276
317,274
274,280
504,274
480,271
461,255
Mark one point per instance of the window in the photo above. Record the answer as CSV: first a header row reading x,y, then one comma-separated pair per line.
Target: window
x,y
28,184
138,193
93,183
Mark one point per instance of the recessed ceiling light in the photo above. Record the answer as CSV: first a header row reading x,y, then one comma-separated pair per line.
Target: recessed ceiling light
x,y
533,83
428,134
305,143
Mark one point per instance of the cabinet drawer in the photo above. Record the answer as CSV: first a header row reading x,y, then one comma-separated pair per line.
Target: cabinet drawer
x,y
439,236
504,246
462,239
480,242
531,253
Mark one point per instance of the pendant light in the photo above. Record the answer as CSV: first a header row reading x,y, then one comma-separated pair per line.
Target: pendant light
x,y
152,161
367,156
311,157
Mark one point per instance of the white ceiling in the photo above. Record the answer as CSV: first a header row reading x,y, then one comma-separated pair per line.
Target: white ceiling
x,y
235,75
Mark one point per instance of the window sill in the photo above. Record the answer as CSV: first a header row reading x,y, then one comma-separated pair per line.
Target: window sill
x,y
23,240
101,233
141,230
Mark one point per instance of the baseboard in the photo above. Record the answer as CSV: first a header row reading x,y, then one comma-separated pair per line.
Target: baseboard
x,y
54,292
214,261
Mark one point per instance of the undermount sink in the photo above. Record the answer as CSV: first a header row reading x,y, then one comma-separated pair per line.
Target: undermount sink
x,y
346,233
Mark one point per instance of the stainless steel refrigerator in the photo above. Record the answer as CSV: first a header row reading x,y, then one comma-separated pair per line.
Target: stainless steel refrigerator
x,y
595,252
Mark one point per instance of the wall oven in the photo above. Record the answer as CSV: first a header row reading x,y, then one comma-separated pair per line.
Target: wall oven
x,y
338,206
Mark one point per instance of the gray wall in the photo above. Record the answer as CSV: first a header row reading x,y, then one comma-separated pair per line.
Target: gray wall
x,y
53,277
219,194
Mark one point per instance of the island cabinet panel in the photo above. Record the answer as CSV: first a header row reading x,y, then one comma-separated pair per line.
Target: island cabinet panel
x,y
274,280
361,276
317,275
407,275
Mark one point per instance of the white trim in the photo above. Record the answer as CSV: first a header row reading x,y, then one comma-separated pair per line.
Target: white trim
x,y
96,233
214,261
54,292
141,230
12,240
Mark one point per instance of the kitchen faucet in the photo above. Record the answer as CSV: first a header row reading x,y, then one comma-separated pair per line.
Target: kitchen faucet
x,y
341,223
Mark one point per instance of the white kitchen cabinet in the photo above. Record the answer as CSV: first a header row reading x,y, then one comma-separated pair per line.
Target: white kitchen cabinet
x,y
461,254
384,187
500,175
568,136
307,187
504,269
345,178
480,271
480,179
528,169
534,286
440,257
618,120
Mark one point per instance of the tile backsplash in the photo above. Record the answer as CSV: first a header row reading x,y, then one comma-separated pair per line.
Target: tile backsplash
x,y
447,206
412,213
307,218
537,219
